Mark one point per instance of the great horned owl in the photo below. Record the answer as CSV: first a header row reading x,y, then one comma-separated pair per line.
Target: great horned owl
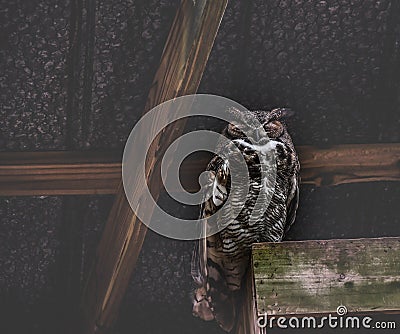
x,y
220,261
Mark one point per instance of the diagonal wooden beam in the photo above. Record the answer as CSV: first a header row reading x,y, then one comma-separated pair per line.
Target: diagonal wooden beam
x,y
182,64
90,173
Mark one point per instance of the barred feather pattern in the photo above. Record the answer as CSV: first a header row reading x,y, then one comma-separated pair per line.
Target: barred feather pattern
x,y
220,261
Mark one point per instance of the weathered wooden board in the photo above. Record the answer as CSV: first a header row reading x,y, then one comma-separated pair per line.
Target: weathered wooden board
x,y
88,173
59,173
181,67
309,277
350,163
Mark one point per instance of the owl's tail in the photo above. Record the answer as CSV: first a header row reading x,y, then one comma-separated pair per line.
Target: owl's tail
x,y
213,299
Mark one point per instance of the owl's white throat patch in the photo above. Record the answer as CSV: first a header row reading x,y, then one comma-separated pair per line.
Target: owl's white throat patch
x,y
263,149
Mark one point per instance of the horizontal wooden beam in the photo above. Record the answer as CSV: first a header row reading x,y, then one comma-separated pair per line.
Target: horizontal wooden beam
x,y
316,277
350,163
59,173
88,173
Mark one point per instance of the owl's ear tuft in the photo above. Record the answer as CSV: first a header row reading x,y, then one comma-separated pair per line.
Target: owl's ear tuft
x,y
279,113
287,113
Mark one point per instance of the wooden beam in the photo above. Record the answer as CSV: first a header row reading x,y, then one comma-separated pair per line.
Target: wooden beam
x,y
350,163
315,277
88,173
182,64
59,173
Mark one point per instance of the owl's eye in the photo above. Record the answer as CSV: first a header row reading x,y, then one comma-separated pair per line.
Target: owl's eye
x,y
274,129
234,131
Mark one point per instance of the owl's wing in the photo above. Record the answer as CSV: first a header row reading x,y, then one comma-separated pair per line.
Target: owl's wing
x,y
199,256
212,298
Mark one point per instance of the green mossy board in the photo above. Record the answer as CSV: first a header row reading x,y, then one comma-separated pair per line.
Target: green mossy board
x,y
306,277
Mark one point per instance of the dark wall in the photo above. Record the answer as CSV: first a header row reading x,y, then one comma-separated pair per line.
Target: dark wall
x,y
75,75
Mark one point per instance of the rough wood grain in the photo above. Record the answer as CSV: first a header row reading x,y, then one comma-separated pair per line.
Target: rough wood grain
x,y
350,163
315,277
182,64
59,173
86,173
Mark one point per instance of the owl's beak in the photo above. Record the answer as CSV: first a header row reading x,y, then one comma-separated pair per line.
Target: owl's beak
x,y
260,139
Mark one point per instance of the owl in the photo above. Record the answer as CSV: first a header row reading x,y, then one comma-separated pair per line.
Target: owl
x,y
220,261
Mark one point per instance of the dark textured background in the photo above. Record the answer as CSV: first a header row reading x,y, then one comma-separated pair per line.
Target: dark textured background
x,y
74,74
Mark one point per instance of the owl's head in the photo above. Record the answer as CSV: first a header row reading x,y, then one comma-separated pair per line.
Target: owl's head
x,y
272,125
255,132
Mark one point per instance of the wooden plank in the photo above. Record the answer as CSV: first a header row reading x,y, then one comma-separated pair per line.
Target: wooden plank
x,y
315,277
182,64
59,173
87,173
350,163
